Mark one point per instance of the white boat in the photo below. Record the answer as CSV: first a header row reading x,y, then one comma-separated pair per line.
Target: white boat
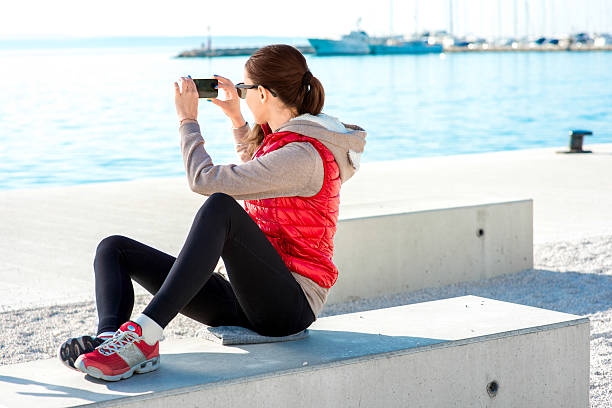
x,y
355,43
602,40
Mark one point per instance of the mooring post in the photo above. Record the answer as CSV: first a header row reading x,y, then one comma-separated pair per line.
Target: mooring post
x,y
576,139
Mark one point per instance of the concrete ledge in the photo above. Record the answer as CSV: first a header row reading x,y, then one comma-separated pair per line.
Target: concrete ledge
x,y
440,353
410,251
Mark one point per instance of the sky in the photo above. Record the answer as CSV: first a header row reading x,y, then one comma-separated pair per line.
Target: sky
x,y
318,18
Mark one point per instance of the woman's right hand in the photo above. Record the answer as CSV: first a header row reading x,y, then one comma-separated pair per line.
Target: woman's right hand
x,y
231,104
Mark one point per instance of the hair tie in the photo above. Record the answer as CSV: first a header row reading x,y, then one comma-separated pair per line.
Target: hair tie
x,y
306,78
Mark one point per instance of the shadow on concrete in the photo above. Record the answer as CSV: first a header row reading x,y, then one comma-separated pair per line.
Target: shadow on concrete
x,y
180,370
61,390
568,292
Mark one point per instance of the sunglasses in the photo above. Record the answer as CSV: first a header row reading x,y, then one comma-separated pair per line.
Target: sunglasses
x,y
241,87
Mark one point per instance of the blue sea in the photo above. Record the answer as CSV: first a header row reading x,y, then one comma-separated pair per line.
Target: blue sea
x,y
94,110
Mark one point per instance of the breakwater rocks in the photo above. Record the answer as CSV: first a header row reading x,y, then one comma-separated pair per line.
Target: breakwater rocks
x,y
230,52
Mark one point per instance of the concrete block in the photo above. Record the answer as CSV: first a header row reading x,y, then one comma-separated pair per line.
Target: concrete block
x,y
409,251
458,352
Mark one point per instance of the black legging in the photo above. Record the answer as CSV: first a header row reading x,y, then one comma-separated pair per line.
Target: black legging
x,y
261,294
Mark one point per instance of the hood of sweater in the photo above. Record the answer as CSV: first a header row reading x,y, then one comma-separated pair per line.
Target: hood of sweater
x,y
346,142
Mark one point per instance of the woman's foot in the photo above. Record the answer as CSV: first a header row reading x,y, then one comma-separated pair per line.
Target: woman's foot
x,y
120,357
72,348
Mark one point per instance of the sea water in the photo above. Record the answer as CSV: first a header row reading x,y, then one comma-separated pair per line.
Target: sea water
x,y
84,111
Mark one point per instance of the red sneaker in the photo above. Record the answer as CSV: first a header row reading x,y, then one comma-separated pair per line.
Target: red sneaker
x,y
120,357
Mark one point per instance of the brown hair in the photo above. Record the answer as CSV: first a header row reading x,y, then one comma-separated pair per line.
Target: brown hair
x,y
283,69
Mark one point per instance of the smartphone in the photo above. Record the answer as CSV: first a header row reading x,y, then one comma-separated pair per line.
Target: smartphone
x,y
206,87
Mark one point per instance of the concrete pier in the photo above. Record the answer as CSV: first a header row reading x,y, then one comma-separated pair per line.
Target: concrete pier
x,y
49,235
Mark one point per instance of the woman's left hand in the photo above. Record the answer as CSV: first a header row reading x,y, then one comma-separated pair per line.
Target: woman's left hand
x,y
186,101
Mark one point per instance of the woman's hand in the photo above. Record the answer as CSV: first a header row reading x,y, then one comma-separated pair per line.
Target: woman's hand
x,y
186,101
231,104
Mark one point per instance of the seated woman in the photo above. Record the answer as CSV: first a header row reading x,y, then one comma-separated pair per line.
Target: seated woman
x,y
277,250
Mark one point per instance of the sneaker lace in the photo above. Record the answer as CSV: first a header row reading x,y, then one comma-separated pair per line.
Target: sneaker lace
x,y
118,342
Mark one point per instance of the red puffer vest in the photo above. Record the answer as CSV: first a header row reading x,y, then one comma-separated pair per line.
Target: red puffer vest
x,y
301,228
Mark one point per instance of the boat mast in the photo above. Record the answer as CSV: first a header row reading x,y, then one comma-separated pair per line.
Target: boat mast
x,y
587,18
208,46
527,19
416,19
515,19
450,17
499,20
544,29
390,18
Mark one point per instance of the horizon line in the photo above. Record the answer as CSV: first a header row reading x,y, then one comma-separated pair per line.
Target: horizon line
x,y
90,37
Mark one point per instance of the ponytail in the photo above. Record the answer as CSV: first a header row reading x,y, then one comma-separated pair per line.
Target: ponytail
x,y
313,96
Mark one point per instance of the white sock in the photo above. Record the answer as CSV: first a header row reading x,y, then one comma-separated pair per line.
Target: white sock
x,y
106,334
151,331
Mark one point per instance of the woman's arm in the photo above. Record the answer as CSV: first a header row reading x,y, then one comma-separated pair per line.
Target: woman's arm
x,y
296,169
187,109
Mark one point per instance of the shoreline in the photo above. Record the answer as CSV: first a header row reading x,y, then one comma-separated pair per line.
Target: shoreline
x,y
598,148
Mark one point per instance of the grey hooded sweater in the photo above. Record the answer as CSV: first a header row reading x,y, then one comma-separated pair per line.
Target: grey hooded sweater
x,y
295,169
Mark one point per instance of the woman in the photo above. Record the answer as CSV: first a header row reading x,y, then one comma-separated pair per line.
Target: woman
x,y
277,250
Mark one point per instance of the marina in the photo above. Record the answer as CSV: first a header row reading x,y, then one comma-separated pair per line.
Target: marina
x,y
359,43
524,34
355,43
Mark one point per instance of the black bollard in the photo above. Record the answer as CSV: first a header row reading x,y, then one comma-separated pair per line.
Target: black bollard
x,y
576,139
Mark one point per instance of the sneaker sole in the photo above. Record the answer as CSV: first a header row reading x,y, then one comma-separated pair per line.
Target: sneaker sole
x,y
144,367
72,348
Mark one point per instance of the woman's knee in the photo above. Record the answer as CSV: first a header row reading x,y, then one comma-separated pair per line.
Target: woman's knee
x,y
111,243
218,203
221,198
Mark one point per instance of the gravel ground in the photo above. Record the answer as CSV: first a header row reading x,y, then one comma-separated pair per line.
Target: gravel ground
x,y
572,277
